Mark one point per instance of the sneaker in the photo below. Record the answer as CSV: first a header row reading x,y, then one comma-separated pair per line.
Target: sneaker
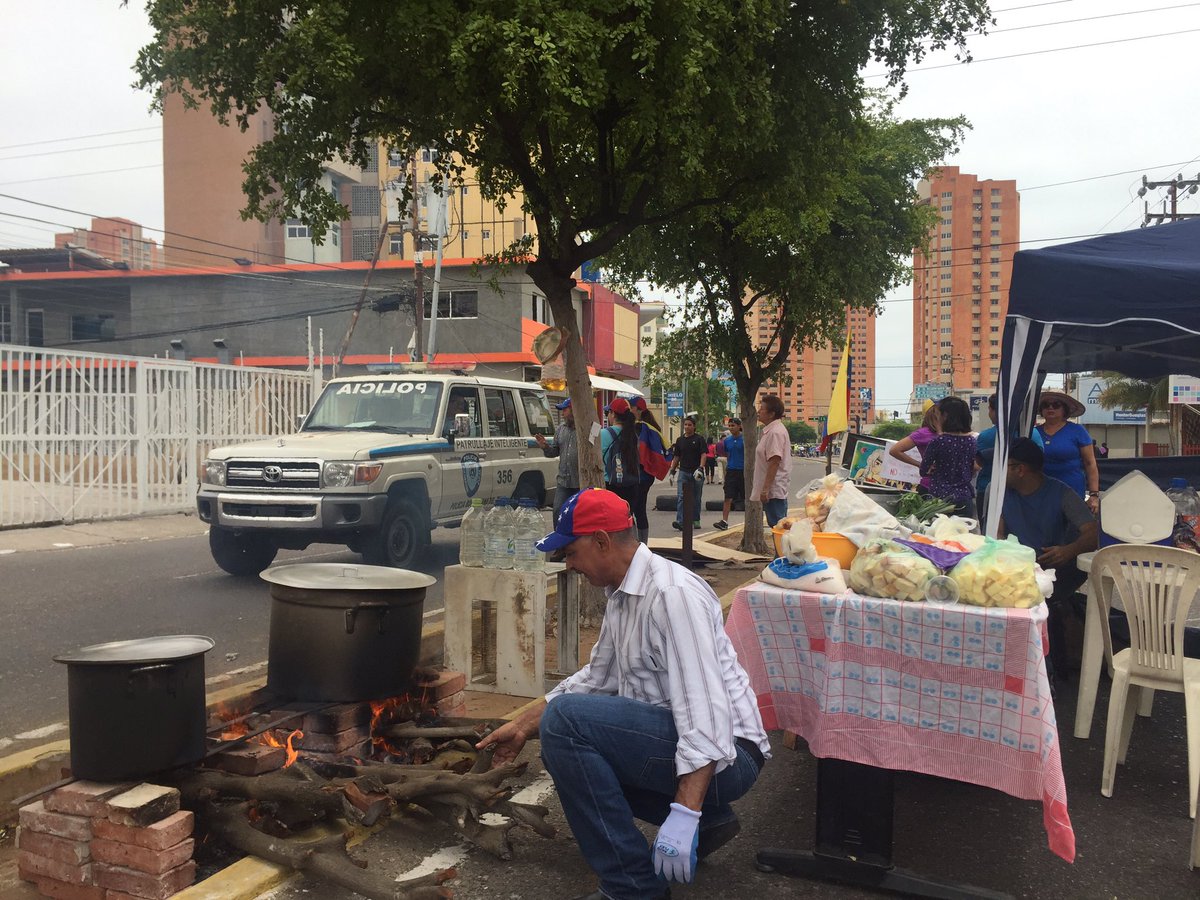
x,y
696,524
721,525
678,526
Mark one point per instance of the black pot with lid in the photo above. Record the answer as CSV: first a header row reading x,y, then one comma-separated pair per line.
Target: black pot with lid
x,y
136,707
344,632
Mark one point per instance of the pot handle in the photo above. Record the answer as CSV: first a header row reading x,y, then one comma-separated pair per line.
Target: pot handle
x,y
160,667
352,613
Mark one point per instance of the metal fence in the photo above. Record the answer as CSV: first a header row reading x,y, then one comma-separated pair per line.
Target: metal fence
x,y
98,436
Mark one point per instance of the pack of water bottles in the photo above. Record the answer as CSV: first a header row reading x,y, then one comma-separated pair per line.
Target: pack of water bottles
x,y
503,537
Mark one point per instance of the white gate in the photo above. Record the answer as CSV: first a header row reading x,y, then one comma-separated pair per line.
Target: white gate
x,y
97,436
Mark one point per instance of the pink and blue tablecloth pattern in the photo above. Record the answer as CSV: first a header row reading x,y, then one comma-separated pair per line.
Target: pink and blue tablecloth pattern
x,y
949,690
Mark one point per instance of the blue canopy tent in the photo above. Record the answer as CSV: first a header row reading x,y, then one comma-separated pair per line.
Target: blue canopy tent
x,y
1126,302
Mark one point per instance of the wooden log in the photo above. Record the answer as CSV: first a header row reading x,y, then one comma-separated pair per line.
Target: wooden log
x,y
326,858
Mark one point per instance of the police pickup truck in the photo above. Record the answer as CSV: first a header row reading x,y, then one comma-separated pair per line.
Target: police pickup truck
x,y
378,463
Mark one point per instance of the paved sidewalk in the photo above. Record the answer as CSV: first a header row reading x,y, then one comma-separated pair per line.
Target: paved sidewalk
x,y
102,533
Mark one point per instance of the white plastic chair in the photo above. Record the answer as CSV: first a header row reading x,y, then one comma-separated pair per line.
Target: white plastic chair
x,y
1156,586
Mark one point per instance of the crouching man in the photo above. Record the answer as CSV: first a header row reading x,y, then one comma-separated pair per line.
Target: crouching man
x,y
660,725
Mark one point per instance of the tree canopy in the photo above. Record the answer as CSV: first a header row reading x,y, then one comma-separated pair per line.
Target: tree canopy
x,y
604,114
895,430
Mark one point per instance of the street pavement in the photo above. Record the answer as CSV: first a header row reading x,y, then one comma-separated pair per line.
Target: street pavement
x,y
66,587
155,576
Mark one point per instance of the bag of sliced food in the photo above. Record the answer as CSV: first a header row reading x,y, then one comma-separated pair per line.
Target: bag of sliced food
x,y
1000,573
884,568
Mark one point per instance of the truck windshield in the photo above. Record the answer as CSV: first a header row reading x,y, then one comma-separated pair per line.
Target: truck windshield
x,y
394,406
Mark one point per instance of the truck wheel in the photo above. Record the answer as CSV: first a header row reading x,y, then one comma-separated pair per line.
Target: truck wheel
x,y
240,554
530,487
399,538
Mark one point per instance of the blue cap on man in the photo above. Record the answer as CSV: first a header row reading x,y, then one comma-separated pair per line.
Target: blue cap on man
x,y
589,511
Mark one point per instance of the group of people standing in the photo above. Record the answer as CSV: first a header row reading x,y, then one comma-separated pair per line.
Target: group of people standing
x,y
634,457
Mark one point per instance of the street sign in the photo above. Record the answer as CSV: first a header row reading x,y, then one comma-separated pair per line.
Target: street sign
x,y
933,391
674,403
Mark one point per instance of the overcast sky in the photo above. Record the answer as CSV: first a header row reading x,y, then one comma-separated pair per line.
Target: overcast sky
x,y
1105,113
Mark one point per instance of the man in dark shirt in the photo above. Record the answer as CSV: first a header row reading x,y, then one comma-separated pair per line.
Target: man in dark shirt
x,y
688,457
1045,514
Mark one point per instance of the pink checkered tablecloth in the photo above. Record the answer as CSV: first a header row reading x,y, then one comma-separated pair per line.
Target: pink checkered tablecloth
x,y
954,691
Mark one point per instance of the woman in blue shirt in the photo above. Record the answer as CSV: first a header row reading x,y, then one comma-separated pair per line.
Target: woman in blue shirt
x,y
1068,446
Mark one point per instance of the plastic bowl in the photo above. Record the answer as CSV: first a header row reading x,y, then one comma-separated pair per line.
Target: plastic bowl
x,y
829,544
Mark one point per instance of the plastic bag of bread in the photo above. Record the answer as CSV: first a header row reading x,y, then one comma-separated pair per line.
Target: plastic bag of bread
x,y
884,568
1000,573
817,502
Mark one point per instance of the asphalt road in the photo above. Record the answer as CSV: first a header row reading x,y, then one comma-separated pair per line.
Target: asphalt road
x,y
58,600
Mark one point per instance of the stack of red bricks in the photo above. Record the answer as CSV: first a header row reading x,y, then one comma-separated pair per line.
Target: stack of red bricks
x,y
333,733
93,841
447,693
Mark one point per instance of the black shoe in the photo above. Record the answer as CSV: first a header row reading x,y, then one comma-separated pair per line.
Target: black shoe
x,y
714,838
677,526
721,525
600,895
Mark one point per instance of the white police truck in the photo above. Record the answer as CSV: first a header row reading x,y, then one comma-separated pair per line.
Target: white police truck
x,y
379,462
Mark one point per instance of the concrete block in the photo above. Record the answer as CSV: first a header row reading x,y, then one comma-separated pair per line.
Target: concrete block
x,y
336,719
454,701
333,743
60,890
359,750
162,834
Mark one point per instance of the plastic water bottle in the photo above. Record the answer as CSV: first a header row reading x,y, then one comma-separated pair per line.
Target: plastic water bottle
x,y
498,536
470,547
529,529
1187,514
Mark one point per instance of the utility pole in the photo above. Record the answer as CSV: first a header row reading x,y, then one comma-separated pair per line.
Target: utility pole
x,y
418,262
1174,187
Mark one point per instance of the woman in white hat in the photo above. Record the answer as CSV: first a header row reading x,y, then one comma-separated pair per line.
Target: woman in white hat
x,y
1070,456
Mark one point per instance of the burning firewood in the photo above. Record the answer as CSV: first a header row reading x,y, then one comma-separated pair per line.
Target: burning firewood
x,y
360,794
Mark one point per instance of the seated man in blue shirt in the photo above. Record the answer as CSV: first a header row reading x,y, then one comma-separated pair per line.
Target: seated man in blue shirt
x,y
1047,515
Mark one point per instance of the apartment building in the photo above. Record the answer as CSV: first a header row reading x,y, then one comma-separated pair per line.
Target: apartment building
x,y
117,240
961,281
812,371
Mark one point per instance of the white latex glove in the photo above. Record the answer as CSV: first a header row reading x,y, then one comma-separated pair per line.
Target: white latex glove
x,y
675,847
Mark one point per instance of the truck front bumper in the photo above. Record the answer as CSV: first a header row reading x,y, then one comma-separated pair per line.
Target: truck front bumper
x,y
299,512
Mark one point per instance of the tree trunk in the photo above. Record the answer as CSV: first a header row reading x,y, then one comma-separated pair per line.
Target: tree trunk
x,y
579,386
753,538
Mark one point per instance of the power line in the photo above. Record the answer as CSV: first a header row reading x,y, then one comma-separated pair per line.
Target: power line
x,y
959,64
80,137
42,153
1116,15
82,175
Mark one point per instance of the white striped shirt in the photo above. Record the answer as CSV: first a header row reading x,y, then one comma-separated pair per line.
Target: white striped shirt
x,y
663,642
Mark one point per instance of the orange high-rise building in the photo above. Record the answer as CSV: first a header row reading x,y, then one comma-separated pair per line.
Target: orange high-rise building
x,y
116,239
813,371
960,284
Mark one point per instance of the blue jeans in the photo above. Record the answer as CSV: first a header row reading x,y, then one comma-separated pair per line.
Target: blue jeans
x,y
775,509
697,485
613,759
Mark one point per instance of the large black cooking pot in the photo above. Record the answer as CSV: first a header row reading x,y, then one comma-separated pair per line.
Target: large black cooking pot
x,y
342,632
136,707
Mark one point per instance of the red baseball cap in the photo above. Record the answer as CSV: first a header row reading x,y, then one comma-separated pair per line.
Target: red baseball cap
x,y
639,403
619,405
589,511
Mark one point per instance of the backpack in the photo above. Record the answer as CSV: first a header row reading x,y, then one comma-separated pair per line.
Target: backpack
x,y
612,459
